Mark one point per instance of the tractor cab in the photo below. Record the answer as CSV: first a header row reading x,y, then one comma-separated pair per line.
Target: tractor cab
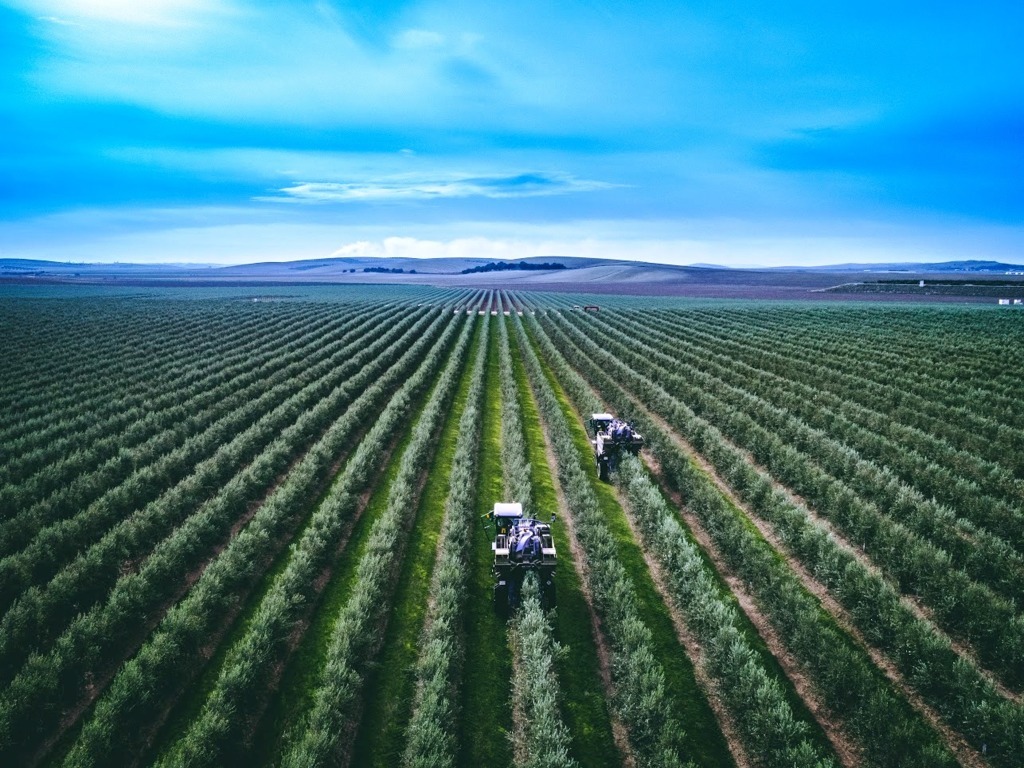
x,y
505,517
521,544
599,422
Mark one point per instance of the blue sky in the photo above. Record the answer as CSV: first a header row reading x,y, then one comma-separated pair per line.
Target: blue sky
x,y
735,133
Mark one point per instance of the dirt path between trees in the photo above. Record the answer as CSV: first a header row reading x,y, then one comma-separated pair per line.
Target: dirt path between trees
x,y
604,656
209,649
846,750
910,602
966,754
690,643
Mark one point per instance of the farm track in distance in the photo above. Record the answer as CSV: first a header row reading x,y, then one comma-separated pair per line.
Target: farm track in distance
x,y
241,532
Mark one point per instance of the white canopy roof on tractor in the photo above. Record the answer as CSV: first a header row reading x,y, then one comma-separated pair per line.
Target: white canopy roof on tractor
x,y
508,509
602,417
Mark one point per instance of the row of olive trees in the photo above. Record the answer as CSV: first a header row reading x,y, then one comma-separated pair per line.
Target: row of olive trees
x,y
856,693
325,733
44,444
918,402
178,361
431,736
946,680
935,430
156,352
243,683
802,419
771,371
98,347
143,689
846,361
128,387
59,536
42,611
978,488
840,350
540,737
771,733
59,374
127,441
950,356
808,463
640,700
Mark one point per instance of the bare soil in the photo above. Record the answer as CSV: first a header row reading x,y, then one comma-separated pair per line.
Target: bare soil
x,y
706,283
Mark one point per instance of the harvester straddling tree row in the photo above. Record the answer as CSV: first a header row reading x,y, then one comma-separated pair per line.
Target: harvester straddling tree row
x,y
521,545
612,436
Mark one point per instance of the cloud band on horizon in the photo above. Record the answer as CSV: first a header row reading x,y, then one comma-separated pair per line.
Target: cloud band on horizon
x,y
398,188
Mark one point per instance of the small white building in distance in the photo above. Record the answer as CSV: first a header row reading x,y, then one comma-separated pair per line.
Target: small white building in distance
x,y
1004,301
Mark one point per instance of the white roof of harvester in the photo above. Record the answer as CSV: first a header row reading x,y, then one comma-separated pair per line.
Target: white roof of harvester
x,y
602,417
507,509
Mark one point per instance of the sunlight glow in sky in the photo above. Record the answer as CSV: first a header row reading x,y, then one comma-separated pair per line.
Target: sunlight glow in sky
x,y
740,133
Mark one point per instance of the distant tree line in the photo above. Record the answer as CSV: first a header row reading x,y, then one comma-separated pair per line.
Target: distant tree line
x,y
395,270
497,266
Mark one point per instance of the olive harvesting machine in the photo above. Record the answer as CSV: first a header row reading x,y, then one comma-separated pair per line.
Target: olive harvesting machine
x,y
612,436
521,545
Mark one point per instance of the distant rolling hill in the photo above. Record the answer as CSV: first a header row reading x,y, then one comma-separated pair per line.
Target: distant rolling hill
x,y
577,268
344,264
9,267
580,274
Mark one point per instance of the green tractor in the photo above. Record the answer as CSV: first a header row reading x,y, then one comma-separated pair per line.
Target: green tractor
x,y
612,437
521,545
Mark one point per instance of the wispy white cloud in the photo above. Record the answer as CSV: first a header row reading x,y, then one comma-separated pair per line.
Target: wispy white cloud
x,y
58,20
161,13
399,188
412,39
